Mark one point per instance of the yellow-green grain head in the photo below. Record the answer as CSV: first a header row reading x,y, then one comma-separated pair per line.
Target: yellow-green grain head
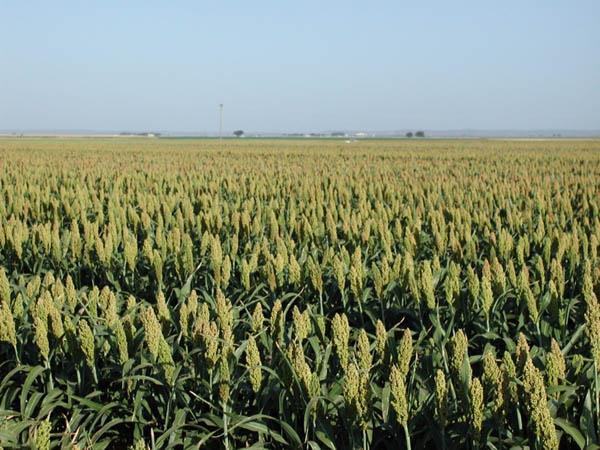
x,y
341,336
405,352
398,392
476,408
441,398
257,319
540,419
41,436
86,342
254,364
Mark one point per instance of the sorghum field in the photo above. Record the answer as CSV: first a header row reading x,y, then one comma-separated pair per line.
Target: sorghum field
x,y
299,294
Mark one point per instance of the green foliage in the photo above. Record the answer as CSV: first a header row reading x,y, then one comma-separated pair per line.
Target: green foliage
x,y
176,294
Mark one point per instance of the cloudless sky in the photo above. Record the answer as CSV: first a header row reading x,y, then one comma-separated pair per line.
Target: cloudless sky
x,y
299,66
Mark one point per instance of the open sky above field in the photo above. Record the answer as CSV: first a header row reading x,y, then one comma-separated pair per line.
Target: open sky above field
x,y
303,66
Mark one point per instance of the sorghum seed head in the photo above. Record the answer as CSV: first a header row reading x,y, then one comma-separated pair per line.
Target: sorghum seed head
x,y
86,341
398,391
405,352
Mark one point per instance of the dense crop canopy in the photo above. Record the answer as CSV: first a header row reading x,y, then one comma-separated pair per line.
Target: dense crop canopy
x,y
299,294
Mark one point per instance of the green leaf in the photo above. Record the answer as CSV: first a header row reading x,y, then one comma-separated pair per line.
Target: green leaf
x,y
321,436
291,433
586,422
33,374
385,402
571,430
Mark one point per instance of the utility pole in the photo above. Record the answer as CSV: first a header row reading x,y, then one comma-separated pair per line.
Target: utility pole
x,y
220,121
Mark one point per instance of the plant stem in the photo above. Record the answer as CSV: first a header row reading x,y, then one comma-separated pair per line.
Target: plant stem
x,y
225,426
210,382
17,357
360,309
445,360
321,302
597,394
406,436
51,381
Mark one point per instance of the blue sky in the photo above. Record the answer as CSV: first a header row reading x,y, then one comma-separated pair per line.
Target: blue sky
x,y
299,66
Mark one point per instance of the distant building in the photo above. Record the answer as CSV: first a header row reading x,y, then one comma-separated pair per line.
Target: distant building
x,y
146,134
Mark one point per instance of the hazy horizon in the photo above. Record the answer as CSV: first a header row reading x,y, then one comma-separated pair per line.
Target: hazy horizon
x,y
300,68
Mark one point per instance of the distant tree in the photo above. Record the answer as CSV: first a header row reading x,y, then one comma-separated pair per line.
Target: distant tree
x,y
420,134
238,133
409,134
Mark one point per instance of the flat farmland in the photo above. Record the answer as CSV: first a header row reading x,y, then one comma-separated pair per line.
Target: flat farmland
x,y
245,293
